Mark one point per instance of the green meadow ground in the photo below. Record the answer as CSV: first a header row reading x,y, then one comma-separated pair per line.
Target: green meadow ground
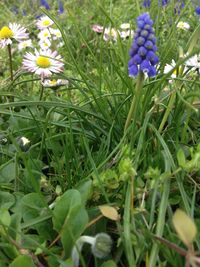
x,y
81,173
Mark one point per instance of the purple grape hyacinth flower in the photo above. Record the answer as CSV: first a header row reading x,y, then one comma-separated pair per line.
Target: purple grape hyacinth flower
x,y
146,3
60,7
197,10
45,4
142,52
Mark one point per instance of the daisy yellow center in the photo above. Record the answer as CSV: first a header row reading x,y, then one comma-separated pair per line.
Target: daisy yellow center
x,y
46,22
6,33
52,82
43,62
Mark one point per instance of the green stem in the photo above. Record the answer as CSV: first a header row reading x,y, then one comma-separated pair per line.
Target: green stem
x,y
41,92
167,112
10,62
135,101
127,228
160,222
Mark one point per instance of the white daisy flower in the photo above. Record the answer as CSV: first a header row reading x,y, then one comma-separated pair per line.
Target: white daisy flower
x,y
44,34
44,22
183,25
12,31
44,44
24,44
56,34
193,62
54,83
43,63
125,26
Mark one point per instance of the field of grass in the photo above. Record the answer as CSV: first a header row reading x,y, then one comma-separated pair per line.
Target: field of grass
x,y
99,167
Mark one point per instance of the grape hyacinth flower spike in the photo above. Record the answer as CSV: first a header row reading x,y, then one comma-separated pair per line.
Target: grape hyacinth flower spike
x,y
143,60
143,50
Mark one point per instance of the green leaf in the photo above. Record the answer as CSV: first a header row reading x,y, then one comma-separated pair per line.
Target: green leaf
x,y
5,220
85,189
181,158
33,211
6,200
109,263
70,218
23,261
7,173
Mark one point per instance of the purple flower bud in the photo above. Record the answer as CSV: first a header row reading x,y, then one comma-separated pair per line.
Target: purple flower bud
x,y
148,44
142,51
140,40
133,70
144,33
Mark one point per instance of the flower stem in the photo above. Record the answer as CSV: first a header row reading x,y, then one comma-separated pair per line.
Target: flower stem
x,y
10,62
135,101
41,92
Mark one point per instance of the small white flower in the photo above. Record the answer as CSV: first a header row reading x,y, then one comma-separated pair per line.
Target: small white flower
x,y
54,83
169,67
43,63
193,62
125,26
44,34
44,22
24,44
10,32
56,34
97,28
110,34
126,34
183,25
44,44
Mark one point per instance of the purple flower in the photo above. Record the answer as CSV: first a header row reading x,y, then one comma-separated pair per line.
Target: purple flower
x,y
60,7
142,52
147,3
197,10
45,4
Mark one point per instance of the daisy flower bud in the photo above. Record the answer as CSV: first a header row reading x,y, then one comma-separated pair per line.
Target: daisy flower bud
x,y
142,52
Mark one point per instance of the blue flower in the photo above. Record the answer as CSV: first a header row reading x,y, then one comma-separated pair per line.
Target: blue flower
x,y
60,7
45,4
197,10
142,52
147,3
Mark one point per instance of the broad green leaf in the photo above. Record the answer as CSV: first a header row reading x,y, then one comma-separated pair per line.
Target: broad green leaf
x,y
109,263
33,208
184,226
14,228
7,173
5,220
23,261
6,200
85,189
70,218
